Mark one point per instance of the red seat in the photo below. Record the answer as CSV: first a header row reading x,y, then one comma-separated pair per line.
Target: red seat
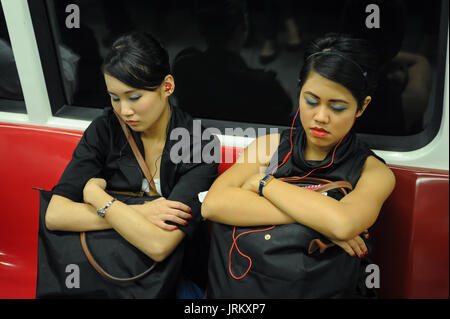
x,y
410,238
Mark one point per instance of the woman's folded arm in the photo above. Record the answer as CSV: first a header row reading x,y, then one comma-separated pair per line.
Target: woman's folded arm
x,y
66,215
228,202
341,220
153,241
233,199
241,207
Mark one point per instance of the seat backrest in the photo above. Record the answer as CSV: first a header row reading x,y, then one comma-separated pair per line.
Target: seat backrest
x,y
31,157
411,242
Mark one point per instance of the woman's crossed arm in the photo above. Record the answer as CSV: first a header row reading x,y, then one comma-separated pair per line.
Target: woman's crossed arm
x,y
233,199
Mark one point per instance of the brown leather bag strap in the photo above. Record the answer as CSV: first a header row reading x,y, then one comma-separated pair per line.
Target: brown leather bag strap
x,y
333,185
134,194
102,272
318,244
325,185
137,153
149,178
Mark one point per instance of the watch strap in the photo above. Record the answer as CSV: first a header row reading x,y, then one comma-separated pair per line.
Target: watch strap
x,y
102,211
264,181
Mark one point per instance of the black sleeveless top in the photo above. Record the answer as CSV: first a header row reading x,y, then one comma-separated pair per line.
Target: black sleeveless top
x,y
348,162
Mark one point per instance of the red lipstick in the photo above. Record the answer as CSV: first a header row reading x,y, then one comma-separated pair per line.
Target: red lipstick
x,y
319,132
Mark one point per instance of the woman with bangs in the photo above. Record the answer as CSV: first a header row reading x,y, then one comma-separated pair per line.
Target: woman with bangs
x,y
337,81
138,80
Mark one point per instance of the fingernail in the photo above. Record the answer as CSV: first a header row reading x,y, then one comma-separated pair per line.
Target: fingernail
x,y
366,252
175,228
185,223
353,255
362,255
190,217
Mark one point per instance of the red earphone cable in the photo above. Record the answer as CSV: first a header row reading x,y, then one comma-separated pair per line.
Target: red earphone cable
x,y
241,253
294,179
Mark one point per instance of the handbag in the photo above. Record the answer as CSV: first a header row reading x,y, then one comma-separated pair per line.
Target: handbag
x,y
101,264
283,261
65,271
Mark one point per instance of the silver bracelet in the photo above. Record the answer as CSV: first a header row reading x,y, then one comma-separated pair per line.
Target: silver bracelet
x,y
102,211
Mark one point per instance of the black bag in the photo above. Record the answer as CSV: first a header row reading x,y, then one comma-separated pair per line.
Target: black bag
x,y
284,261
65,272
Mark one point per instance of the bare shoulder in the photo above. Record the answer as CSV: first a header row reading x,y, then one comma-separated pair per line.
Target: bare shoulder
x,y
377,178
374,165
261,150
371,191
254,159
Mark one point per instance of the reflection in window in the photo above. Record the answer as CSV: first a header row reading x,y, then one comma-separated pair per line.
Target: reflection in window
x,y
11,96
401,98
239,60
217,83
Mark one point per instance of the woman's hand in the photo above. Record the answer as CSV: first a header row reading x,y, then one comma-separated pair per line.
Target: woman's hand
x,y
161,210
354,247
91,185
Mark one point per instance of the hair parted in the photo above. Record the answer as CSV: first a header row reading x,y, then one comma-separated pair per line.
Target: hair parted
x,y
348,61
138,60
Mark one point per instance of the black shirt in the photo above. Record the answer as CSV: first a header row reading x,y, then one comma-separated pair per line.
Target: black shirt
x,y
103,151
347,162
347,165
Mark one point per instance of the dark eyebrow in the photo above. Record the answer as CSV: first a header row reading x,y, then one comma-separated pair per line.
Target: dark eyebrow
x,y
332,100
126,92
339,101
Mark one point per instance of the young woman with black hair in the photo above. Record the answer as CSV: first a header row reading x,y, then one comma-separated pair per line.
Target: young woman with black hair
x,y
336,82
138,80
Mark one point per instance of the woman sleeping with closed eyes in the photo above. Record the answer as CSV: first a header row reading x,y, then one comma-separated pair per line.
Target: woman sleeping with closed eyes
x,y
336,82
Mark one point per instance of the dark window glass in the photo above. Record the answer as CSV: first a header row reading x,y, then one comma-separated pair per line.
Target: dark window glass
x,y
239,60
11,97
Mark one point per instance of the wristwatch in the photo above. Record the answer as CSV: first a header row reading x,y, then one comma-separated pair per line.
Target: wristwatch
x,y
264,181
102,211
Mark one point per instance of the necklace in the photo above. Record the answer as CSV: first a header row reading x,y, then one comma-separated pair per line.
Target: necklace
x,y
156,166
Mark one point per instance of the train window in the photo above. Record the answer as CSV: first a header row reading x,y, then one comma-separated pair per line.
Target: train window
x,y
236,62
11,96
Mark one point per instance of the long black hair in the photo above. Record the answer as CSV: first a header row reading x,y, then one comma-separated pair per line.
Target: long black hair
x,y
343,59
138,60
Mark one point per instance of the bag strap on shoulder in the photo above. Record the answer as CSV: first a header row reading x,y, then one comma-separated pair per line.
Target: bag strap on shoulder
x,y
149,178
136,152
